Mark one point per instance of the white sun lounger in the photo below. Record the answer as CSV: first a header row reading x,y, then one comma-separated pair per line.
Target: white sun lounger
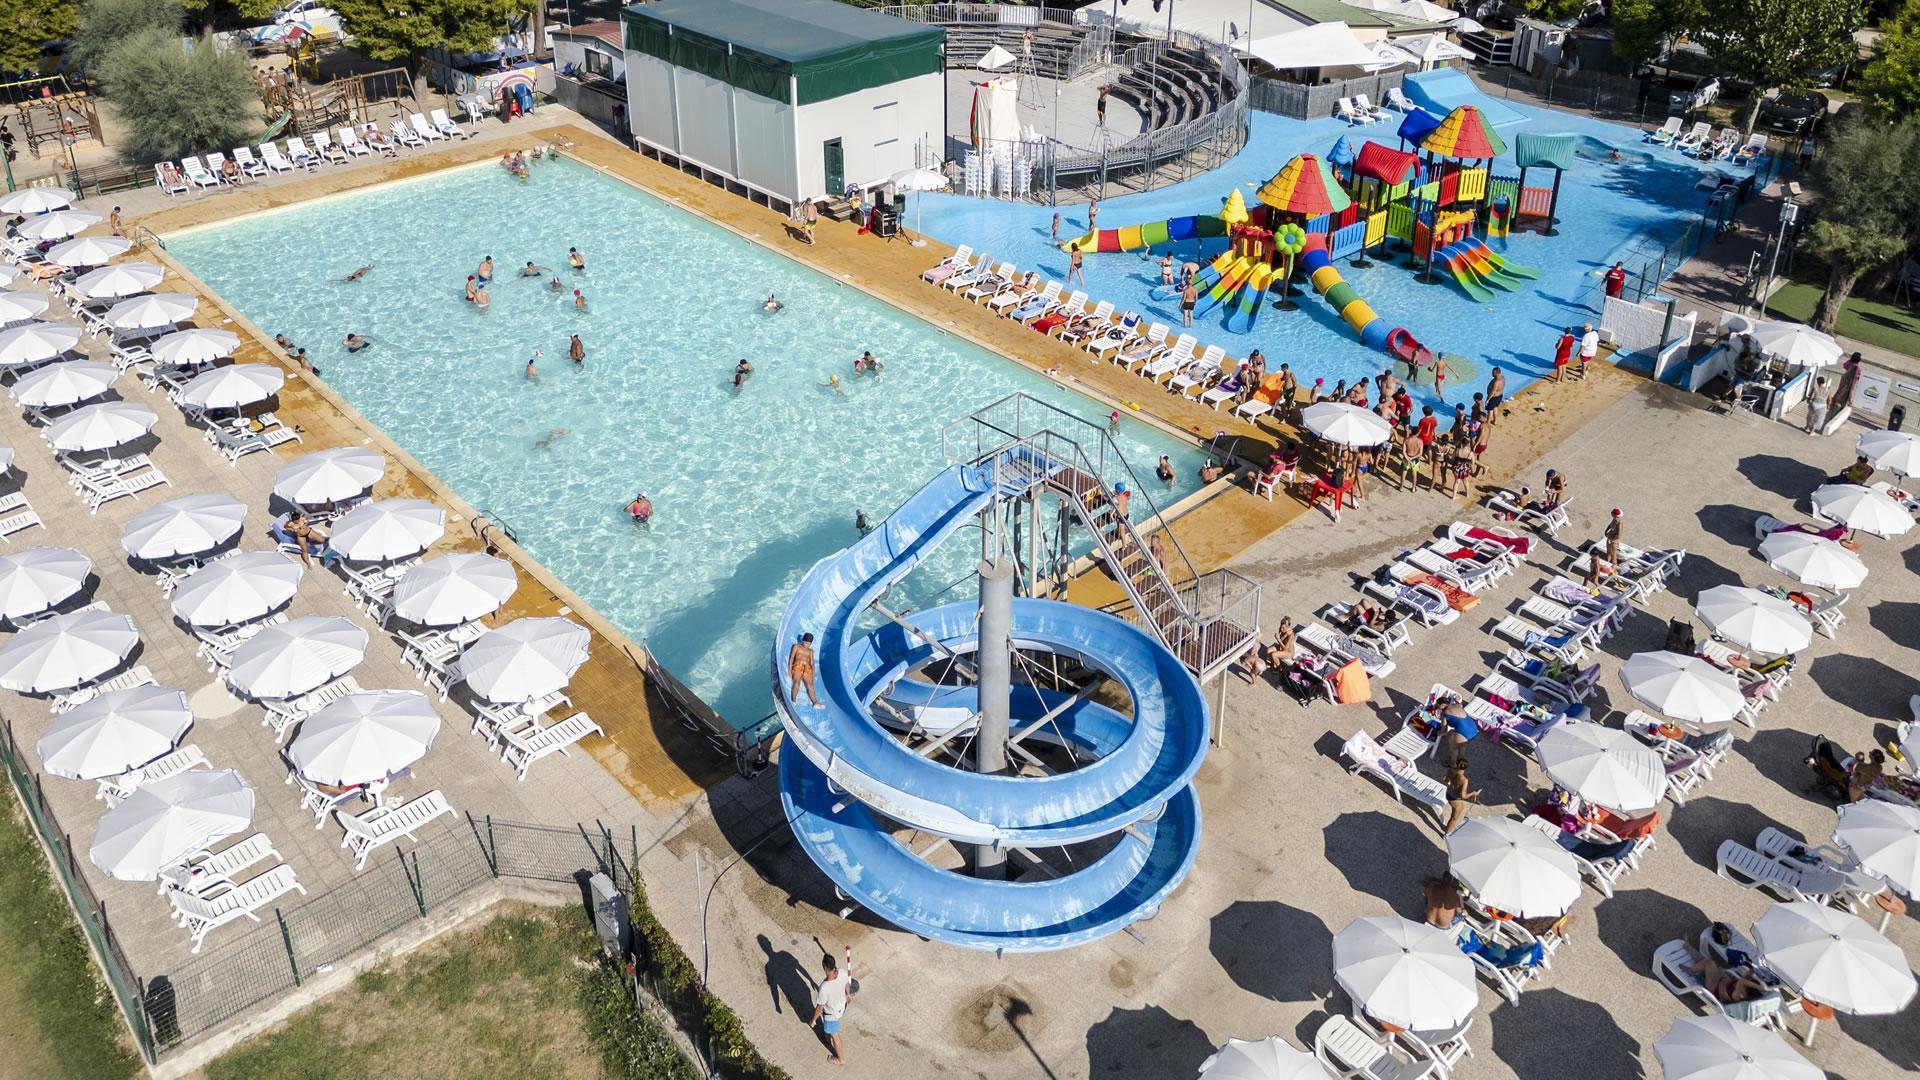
x,y
1548,521
967,275
1695,137
197,172
1564,646
323,145
282,714
1341,648
99,492
1749,869
1853,887
423,129
1091,326
1175,358
1008,299
1001,277
399,132
1424,602
298,153
115,788
1343,1047
217,165
380,826
1667,132
446,126
521,751
1200,374
199,914
350,142
1142,349
960,257
1603,874
19,522
170,187
204,870
274,159
1401,778
1116,337
234,447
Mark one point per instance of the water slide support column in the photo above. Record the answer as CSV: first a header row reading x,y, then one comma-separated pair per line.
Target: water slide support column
x,y
995,660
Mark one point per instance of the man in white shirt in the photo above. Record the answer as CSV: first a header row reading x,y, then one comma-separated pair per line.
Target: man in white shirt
x,y
1589,348
830,1004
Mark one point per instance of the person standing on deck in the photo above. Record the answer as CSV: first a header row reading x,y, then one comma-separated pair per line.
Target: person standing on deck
x,y
1616,279
1562,353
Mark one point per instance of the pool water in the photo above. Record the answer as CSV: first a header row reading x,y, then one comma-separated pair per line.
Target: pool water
x,y
1608,210
749,490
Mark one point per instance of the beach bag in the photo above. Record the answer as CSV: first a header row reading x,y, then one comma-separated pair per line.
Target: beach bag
x,y
1680,637
1350,684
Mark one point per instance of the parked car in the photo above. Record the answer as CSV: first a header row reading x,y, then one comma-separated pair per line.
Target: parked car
x,y
1796,113
1683,98
307,11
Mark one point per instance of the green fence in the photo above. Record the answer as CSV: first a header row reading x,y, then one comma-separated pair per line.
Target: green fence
x,y
127,990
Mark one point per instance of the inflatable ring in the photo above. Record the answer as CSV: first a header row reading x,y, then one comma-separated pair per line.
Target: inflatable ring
x,y
1290,238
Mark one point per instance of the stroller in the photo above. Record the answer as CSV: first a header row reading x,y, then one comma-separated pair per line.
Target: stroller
x,y
1305,681
1825,759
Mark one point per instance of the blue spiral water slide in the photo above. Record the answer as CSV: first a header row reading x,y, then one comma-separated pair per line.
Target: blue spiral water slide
x,y
848,782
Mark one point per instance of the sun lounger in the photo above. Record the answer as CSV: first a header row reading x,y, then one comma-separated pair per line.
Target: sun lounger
x,y
274,160
217,165
196,171
1750,152
1566,646
1116,337
1549,520
423,129
200,913
1401,778
1171,360
521,752
1446,1047
1086,328
982,268
298,153
1368,108
98,493
1349,1052
1827,616
234,447
350,142
1010,298
1001,277
1499,955
1341,648
445,125
205,870
170,183
399,132
1551,678
1260,404
1667,132
960,258
1471,575
1424,602
18,522
282,714
1695,137
1602,864
1202,373
138,675
1226,390
1398,100
1035,306
1785,879
115,788
375,828
1143,350
323,146
1853,887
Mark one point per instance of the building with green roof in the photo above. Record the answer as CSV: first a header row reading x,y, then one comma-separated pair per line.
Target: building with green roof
x,y
786,99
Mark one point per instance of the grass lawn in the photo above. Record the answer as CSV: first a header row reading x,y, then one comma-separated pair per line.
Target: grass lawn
x,y
57,1017
1886,325
503,999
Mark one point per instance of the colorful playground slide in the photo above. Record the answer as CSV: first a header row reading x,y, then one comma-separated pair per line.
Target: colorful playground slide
x,y
1237,274
1444,89
1241,318
1151,234
848,783
1203,281
1373,329
1475,266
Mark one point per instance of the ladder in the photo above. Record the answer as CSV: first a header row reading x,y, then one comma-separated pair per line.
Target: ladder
x,y
1207,620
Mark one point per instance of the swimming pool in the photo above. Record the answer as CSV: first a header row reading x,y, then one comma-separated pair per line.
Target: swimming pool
x,y
1608,210
749,491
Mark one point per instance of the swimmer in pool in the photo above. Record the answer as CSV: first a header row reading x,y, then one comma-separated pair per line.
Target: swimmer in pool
x,y
862,522
640,509
355,343
575,259
481,300
530,270
771,306
833,384
472,289
555,285
357,274
533,374
579,300
742,371
546,441
485,271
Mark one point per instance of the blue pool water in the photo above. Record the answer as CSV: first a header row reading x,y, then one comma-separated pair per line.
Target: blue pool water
x,y
1607,210
749,491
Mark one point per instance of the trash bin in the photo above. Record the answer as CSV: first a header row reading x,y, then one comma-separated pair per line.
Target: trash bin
x,y
1896,418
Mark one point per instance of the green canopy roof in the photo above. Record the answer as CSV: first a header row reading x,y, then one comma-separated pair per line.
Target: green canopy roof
x,y
831,48
1553,151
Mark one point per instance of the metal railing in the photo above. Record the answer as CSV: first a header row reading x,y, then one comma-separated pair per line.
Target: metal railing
x,y
1094,51
1304,102
128,993
943,14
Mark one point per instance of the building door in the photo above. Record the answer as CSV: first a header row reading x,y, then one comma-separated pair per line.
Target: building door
x,y
836,157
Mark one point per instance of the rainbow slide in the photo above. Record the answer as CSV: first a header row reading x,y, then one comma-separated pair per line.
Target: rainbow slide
x,y
1475,266
1237,275
1203,281
1240,320
1373,329
1152,234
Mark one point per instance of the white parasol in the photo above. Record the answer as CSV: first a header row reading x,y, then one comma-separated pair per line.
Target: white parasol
x,y
37,342
454,589
1813,560
118,280
152,311
1603,766
1513,868
35,200
237,589
65,651
326,476
1862,509
233,386
57,225
1685,688
364,737
69,382
525,659
89,250
1405,973
1756,620
115,732
387,529
39,579
167,820
1347,425
101,427
195,345
296,656
188,525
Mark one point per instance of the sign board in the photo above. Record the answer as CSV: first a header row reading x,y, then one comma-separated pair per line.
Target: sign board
x,y
1870,393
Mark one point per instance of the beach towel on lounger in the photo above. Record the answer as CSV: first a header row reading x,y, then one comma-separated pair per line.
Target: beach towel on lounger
x,y
1457,598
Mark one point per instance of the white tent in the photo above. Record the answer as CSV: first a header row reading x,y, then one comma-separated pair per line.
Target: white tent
x,y
1431,49
996,111
1419,10
1320,45
995,59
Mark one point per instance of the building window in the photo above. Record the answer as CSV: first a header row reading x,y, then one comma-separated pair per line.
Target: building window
x,y
599,63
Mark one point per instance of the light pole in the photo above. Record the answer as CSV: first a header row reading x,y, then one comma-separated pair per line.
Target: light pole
x,y
1789,213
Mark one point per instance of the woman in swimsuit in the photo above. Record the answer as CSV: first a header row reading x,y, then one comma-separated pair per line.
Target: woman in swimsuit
x,y
640,509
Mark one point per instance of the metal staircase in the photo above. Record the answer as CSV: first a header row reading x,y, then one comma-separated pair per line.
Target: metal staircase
x,y
1207,620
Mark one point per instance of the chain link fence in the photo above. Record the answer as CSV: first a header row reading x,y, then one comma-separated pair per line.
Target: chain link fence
x,y
293,944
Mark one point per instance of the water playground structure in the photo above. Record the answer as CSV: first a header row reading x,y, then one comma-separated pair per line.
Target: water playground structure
x,y
1014,772
1438,203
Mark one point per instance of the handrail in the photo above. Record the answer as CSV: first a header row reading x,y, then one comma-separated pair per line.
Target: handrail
x,y
142,236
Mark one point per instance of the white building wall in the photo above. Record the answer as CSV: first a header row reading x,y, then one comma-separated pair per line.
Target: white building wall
x,y
764,129
574,51
650,100
706,131
878,128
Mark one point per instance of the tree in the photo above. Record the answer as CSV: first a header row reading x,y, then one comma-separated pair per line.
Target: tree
x,y
1867,210
1641,28
1890,85
27,25
105,23
386,30
178,97
1552,10
1777,43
